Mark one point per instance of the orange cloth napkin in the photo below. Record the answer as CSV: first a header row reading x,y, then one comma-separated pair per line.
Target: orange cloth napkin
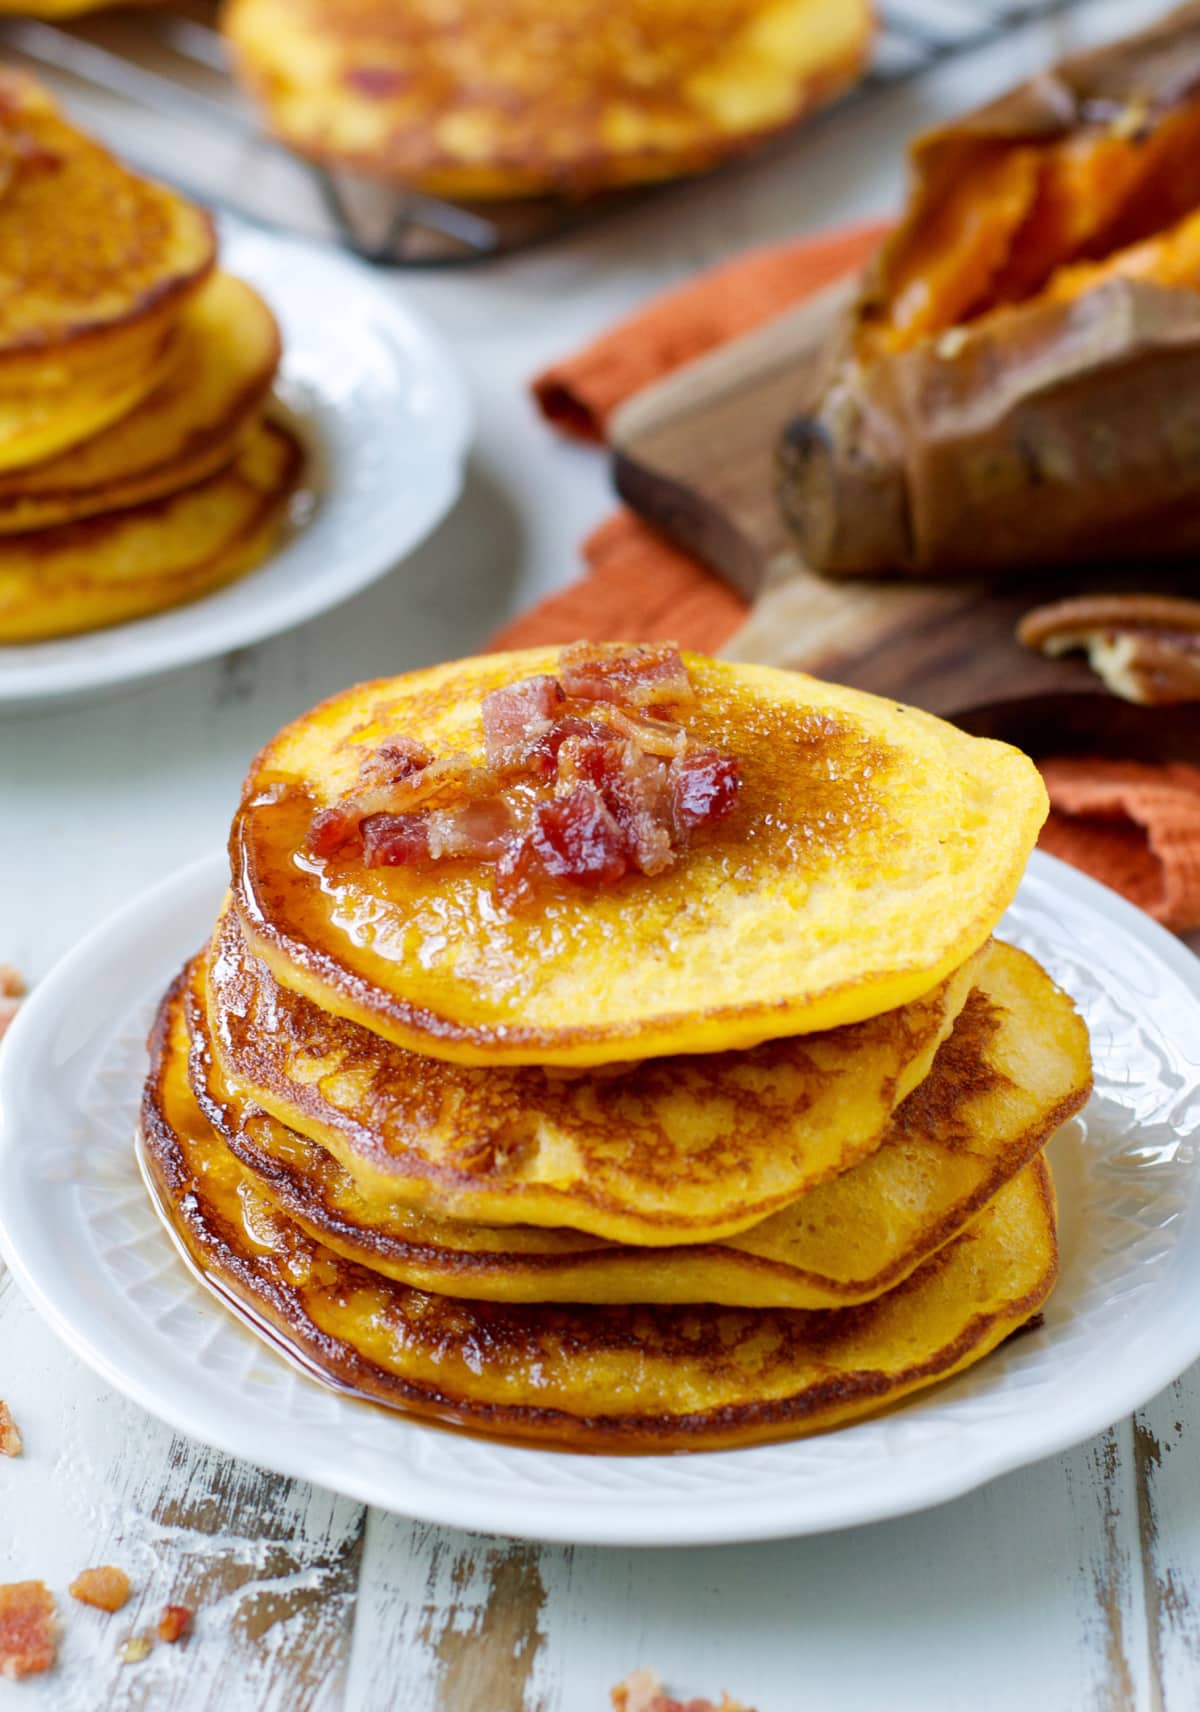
x,y
1136,828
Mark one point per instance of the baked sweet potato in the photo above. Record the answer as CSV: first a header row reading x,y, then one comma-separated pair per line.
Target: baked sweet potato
x,y
1017,382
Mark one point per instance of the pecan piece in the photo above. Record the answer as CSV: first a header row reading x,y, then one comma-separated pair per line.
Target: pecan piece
x,y
1145,647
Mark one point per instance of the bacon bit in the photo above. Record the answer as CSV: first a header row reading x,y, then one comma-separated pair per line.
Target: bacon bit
x,y
705,786
395,840
174,1623
10,1437
135,1649
482,830
334,828
106,1588
516,716
28,1630
643,1692
633,676
396,758
575,837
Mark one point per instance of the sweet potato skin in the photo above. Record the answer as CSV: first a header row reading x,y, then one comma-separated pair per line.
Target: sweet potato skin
x,y
1046,432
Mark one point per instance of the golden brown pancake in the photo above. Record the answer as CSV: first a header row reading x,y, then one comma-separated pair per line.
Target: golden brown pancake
x,y
624,1378
873,848
510,98
95,262
224,359
106,570
661,1151
1015,1068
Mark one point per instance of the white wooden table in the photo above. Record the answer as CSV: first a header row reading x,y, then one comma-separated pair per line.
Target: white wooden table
x,y
1073,1584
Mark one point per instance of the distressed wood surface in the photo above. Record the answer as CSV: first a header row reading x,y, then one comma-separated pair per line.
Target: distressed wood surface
x,y
1071,1585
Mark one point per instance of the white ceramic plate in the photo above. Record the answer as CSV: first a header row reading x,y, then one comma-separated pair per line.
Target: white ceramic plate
x,y
384,414
78,1231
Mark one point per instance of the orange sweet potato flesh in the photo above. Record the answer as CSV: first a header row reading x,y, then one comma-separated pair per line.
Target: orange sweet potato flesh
x,y
1014,386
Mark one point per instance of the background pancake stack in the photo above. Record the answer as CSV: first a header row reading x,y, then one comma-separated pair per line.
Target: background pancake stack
x,y
136,468
822,1189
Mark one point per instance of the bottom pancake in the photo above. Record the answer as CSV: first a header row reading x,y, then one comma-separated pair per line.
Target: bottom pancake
x,y
588,1378
108,570
1016,1066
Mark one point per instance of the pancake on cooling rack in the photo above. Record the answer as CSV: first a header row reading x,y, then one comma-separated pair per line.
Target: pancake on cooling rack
x,y
136,467
499,99
609,1048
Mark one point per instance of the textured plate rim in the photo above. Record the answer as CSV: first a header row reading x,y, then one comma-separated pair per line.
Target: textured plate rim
x,y
599,1517
79,673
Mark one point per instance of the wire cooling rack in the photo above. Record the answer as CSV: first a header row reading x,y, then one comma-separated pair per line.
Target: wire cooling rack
x,y
156,85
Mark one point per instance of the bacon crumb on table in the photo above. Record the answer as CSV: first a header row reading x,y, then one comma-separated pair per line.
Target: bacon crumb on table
x,y
174,1623
12,991
643,1692
28,1631
10,1437
107,1588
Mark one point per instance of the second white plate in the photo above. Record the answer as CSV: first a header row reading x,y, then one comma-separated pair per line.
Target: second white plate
x,y
78,1230
381,406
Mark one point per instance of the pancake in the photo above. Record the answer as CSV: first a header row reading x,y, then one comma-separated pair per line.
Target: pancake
x,y
511,98
95,262
664,1151
106,570
225,356
40,421
1015,1068
617,1378
872,849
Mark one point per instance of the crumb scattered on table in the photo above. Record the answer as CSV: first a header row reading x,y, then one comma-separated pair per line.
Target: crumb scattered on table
x,y
107,1588
136,1648
10,1437
643,1692
28,1629
174,1623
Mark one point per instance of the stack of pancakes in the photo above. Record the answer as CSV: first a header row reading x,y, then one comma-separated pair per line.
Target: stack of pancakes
x,y
136,468
736,1150
501,99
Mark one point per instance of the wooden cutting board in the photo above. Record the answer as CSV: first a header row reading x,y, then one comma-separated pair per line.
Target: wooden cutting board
x,y
694,455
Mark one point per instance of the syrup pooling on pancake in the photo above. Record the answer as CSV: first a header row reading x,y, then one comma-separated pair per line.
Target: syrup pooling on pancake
x,y
870,851
633,1378
1014,1069
658,1151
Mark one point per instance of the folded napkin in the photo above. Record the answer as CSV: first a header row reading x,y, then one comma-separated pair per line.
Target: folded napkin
x,y
1135,827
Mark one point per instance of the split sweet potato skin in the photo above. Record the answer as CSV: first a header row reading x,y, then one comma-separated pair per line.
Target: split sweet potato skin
x,y
1006,392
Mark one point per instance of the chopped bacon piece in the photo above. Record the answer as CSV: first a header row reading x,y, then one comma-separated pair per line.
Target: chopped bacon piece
x,y
704,787
642,675
396,758
654,736
638,796
174,1623
106,1588
10,1437
28,1631
574,837
334,828
515,716
643,1692
395,840
482,830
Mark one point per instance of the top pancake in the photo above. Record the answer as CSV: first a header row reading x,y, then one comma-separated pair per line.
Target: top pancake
x,y
87,248
504,98
873,848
